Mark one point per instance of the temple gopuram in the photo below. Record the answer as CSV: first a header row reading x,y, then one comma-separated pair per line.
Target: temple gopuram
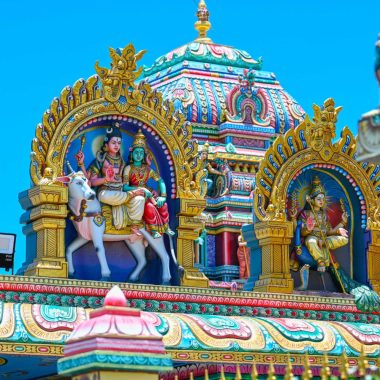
x,y
188,220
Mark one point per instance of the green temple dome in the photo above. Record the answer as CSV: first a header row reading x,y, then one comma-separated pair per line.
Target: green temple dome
x,y
208,83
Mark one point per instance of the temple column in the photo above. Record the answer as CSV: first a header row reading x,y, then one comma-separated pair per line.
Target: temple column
x,y
274,238
44,219
188,230
255,255
374,260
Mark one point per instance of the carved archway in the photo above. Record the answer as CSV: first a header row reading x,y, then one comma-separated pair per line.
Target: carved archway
x,y
111,93
310,146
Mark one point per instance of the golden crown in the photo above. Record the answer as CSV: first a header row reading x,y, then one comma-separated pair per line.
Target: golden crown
x,y
326,113
139,141
316,187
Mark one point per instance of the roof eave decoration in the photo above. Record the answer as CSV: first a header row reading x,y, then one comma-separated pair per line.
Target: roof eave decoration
x,y
164,63
311,143
114,92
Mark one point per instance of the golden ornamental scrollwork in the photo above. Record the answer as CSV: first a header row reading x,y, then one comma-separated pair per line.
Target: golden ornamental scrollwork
x,y
113,92
119,81
322,131
311,143
71,99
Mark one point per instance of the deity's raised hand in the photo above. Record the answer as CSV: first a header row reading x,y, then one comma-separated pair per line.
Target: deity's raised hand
x,y
110,174
80,157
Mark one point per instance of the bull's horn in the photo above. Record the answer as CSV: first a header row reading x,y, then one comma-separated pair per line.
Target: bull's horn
x,y
72,171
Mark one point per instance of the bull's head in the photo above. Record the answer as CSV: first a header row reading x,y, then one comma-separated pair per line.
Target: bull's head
x,y
78,185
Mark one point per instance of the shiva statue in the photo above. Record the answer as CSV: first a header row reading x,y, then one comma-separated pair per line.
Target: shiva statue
x,y
135,176
104,175
315,236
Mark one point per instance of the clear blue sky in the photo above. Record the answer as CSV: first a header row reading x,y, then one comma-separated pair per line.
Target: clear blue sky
x,y
317,49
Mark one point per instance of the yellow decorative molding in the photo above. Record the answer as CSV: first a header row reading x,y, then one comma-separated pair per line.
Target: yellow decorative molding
x,y
188,230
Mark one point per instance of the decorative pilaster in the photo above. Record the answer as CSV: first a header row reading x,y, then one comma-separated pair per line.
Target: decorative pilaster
x,y
274,238
374,259
255,253
188,230
116,342
44,228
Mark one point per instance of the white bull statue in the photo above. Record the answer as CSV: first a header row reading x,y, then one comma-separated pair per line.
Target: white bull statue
x,y
90,225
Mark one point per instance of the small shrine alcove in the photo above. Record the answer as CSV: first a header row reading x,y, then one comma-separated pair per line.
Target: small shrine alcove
x,y
78,121
300,165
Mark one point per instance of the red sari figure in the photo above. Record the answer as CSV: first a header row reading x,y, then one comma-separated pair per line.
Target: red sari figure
x,y
136,176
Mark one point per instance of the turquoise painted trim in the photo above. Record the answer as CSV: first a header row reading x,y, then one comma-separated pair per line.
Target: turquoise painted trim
x,y
112,361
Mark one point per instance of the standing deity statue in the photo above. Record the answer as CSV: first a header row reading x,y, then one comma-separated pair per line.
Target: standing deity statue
x,y
203,165
105,175
243,257
135,177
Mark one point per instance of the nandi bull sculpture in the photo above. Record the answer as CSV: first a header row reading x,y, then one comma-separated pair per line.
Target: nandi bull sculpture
x,y
90,224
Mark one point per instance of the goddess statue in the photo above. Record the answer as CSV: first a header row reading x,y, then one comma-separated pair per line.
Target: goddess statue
x,y
104,174
315,236
316,229
135,177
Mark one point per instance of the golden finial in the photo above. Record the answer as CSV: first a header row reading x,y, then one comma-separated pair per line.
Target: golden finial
x,y
344,367
325,370
202,25
238,373
222,377
206,374
307,374
271,372
191,376
175,377
362,363
289,372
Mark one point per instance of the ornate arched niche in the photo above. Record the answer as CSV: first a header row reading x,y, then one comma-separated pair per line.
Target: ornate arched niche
x,y
77,120
295,158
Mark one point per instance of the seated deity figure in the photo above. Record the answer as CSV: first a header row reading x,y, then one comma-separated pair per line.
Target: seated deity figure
x,y
315,237
105,175
135,177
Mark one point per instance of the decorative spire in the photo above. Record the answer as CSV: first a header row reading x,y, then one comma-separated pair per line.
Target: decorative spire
x,y
107,341
202,25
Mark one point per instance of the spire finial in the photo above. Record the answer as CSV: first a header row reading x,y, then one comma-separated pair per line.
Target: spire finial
x,y
202,25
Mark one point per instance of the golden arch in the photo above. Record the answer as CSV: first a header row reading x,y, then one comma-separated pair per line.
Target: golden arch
x,y
80,103
311,143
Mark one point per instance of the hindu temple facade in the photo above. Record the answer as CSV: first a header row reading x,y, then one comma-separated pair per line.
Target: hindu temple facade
x,y
244,238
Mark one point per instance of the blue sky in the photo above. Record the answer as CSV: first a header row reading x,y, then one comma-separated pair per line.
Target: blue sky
x,y
317,49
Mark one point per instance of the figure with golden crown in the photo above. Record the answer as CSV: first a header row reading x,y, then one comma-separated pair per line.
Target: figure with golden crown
x,y
135,177
105,176
315,236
